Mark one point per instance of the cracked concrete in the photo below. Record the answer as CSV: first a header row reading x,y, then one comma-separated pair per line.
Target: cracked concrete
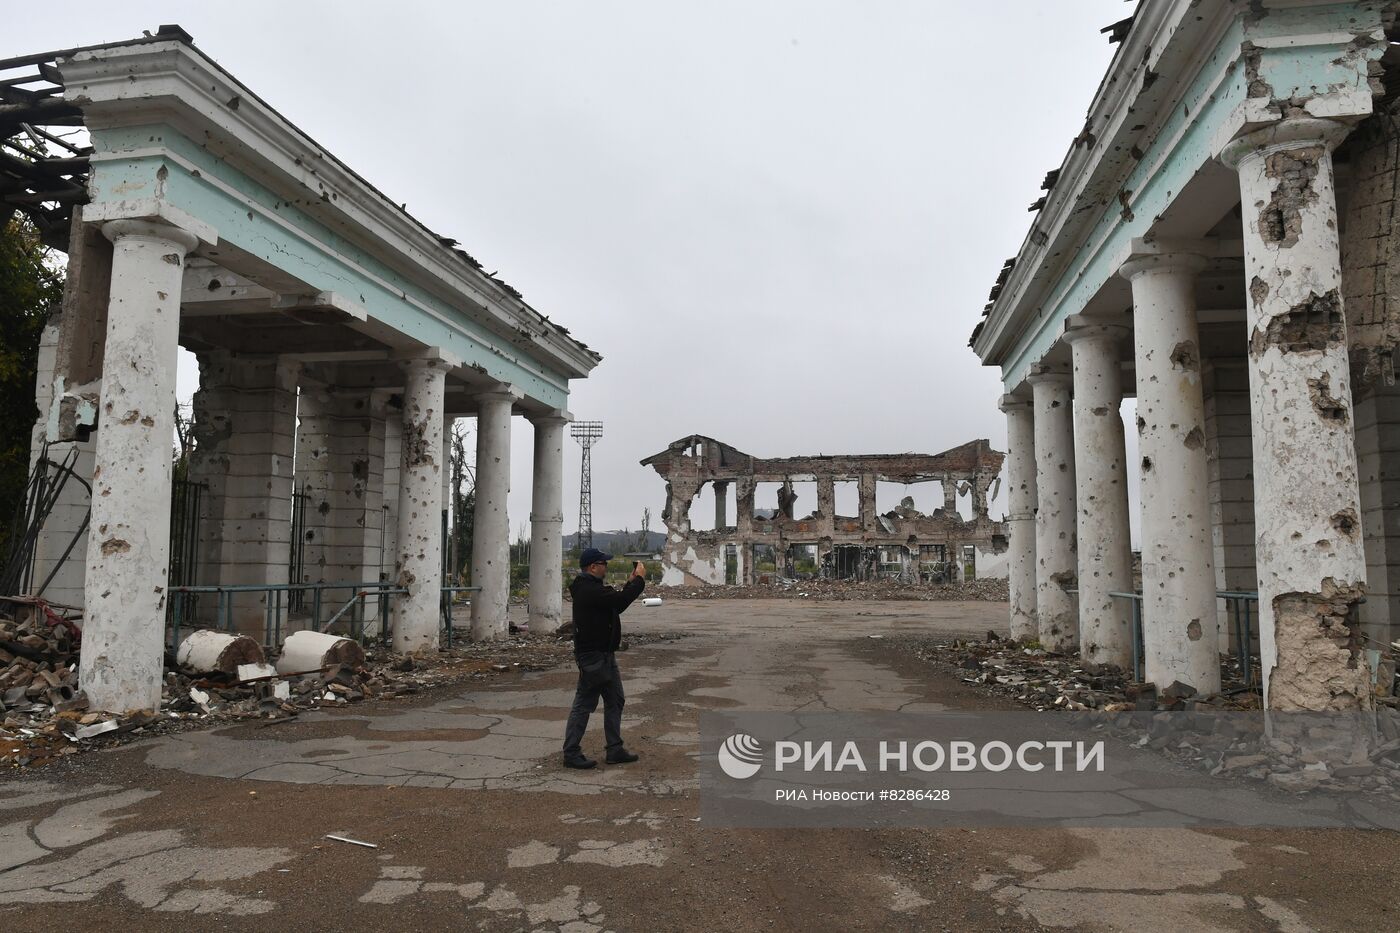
x,y
486,831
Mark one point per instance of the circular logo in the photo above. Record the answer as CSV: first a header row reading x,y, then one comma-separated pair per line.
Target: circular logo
x,y
741,756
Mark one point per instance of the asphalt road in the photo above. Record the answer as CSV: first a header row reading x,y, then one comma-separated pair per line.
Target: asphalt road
x,y
478,826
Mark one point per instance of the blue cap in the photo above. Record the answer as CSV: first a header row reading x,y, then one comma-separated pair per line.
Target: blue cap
x,y
591,556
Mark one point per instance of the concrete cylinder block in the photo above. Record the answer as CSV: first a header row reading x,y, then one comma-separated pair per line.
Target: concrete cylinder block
x,y
207,651
311,651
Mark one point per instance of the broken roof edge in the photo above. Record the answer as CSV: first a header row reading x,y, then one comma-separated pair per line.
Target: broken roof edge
x,y
238,113
981,443
1057,219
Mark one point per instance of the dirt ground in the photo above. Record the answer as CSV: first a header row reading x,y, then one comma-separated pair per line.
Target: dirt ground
x,y
478,826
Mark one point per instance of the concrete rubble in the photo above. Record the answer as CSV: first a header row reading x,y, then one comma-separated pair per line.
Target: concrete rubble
x,y
993,590
903,543
43,716
1191,728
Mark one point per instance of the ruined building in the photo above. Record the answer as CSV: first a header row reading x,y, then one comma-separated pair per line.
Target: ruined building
x,y
333,332
1221,243
783,539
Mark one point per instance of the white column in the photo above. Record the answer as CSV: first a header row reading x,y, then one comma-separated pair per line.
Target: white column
x,y
129,539
1056,562
1180,625
244,430
419,541
393,460
1020,516
547,523
1101,493
491,524
1307,507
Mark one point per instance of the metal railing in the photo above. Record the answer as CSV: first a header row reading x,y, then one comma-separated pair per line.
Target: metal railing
x,y
281,600
1237,605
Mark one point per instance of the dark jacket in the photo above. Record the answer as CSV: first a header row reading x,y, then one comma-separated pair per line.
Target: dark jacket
x,y
598,609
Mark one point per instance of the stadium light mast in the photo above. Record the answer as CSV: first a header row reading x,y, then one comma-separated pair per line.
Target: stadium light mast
x,y
587,433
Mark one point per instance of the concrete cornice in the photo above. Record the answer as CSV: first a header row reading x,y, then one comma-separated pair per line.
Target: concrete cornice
x,y
1156,25
174,83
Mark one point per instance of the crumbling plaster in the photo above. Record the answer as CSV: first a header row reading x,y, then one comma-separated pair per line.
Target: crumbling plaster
x,y
696,557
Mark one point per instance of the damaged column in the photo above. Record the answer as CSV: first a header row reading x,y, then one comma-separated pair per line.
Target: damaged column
x,y
1180,625
1311,560
419,537
1021,506
547,523
1101,492
129,538
491,524
721,504
244,428
1056,561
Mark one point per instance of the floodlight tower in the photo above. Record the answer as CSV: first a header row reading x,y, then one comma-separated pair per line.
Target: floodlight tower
x,y
587,433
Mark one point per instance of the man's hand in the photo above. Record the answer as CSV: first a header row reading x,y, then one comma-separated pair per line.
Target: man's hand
x,y
640,570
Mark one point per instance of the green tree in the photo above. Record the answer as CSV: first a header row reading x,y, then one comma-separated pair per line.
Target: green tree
x,y
30,287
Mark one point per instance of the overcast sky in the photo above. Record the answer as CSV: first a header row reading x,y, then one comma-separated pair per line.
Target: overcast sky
x,y
777,221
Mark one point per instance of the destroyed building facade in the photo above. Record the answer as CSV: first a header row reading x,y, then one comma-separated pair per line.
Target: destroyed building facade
x,y
337,339
779,536
1219,242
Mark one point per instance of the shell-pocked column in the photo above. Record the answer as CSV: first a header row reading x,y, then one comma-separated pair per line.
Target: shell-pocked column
x,y
1056,563
129,537
418,563
491,524
1307,505
1020,516
1180,624
1101,493
547,523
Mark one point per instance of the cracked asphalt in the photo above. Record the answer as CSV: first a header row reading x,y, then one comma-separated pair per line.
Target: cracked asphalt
x,y
478,826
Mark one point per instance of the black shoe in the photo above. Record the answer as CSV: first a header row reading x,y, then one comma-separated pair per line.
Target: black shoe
x,y
621,757
582,762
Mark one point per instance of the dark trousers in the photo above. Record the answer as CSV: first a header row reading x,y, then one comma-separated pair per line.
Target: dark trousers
x,y
598,676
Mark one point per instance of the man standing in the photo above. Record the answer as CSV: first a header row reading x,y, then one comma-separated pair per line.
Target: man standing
x,y
597,636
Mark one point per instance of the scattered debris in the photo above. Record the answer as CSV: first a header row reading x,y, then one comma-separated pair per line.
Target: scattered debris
x,y
43,716
353,842
989,589
1148,718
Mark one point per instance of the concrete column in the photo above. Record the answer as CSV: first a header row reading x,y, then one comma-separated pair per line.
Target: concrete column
x,y
244,432
1020,517
1230,455
129,539
393,458
52,555
826,510
491,524
1055,548
1311,557
867,500
1377,449
1101,493
340,465
418,566
547,523
1180,625
950,494
744,489
721,503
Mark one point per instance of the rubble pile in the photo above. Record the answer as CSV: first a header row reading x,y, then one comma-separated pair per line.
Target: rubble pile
x,y
44,716
1174,720
1043,680
990,589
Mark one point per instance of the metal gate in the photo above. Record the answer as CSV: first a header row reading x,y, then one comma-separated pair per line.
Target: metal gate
x,y
186,501
301,499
